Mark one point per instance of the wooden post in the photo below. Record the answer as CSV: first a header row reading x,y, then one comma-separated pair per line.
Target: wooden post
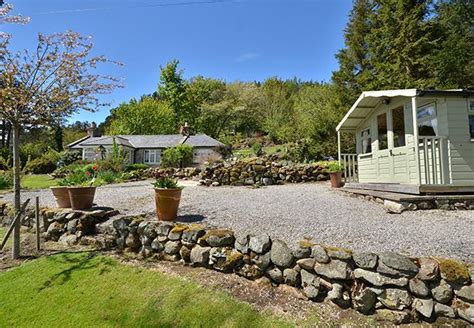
x,y
38,247
416,139
13,224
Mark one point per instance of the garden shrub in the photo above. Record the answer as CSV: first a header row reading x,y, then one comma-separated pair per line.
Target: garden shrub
x,y
6,180
180,156
68,157
135,167
108,176
257,149
40,165
4,164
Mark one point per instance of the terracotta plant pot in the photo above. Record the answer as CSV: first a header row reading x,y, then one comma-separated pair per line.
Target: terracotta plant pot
x,y
167,203
336,179
61,195
82,198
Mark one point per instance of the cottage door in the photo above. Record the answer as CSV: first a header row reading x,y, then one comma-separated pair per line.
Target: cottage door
x,y
398,149
383,160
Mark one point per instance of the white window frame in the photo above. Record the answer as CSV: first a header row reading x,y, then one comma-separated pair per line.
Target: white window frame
x,y
365,137
156,156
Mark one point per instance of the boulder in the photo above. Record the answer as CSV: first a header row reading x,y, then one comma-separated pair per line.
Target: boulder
x,y
364,300
291,277
132,241
259,243
396,264
429,269
200,255
339,253
172,247
192,234
466,293
176,232
185,253
443,310
465,311
396,317
365,260
262,261
145,251
275,274
442,292
394,207
301,252
424,306
307,264
68,239
55,230
157,245
418,287
163,229
395,299
454,272
280,254
338,295
336,269
249,271
379,280
242,243
310,283
218,238
319,254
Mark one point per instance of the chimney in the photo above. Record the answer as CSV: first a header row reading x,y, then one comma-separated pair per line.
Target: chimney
x,y
185,130
92,130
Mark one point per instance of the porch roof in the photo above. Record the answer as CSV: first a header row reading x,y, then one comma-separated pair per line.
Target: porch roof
x,y
368,100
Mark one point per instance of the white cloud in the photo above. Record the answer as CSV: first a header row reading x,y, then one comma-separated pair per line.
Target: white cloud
x,y
247,56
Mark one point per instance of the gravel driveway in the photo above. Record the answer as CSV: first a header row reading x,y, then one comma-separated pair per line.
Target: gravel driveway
x,y
293,212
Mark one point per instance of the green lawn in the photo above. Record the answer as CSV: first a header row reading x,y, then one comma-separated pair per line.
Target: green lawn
x,y
88,290
37,181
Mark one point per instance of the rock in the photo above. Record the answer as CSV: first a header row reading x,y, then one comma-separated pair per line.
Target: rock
x,y
242,243
466,293
275,275
443,292
164,228
443,310
379,280
454,272
395,299
249,271
338,295
219,238
132,241
144,240
418,287
364,300
172,247
365,260
262,261
335,269
146,251
176,232
267,181
215,184
301,252
55,230
157,246
319,254
291,277
307,264
339,253
394,207
428,269
280,254
465,311
200,255
192,234
121,225
68,240
224,259
400,264
396,317
71,225
185,253
259,243
310,283
424,306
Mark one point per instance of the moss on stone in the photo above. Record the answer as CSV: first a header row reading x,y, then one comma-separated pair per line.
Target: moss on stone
x,y
195,227
306,243
454,271
217,232
338,249
179,228
233,258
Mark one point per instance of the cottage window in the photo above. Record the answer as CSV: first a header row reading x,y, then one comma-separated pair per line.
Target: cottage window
x,y
151,156
366,141
471,126
398,118
471,105
382,131
427,120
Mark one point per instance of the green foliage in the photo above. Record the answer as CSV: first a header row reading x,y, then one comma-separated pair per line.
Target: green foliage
x,y
146,116
179,156
334,167
166,182
257,149
6,179
135,167
42,165
109,177
68,157
105,293
76,178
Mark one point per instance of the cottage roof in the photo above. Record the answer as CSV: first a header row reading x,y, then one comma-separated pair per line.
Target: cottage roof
x,y
368,100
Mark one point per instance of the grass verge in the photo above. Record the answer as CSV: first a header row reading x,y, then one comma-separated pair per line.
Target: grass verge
x,y
89,290
37,181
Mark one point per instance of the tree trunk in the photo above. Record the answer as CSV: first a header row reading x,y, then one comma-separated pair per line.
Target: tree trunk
x,y
16,188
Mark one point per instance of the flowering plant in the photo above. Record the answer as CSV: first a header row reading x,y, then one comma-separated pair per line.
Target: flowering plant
x,y
164,181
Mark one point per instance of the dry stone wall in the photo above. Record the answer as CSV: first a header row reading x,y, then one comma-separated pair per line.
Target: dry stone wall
x,y
389,285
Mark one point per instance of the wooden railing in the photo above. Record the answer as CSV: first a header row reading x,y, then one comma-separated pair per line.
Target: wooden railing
x,y
349,162
433,154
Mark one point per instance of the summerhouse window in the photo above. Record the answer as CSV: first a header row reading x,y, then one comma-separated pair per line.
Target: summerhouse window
x,y
366,140
427,120
471,126
382,131
398,117
151,156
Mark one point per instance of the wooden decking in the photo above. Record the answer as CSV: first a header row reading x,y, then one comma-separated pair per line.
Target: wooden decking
x,y
402,197
411,189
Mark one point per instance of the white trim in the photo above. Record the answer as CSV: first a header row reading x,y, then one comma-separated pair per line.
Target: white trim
x,y
417,140
156,156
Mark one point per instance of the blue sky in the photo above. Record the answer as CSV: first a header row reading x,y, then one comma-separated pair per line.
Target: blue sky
x,y
244,40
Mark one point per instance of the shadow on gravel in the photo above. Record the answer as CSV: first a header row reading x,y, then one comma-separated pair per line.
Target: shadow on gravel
x,y
190,218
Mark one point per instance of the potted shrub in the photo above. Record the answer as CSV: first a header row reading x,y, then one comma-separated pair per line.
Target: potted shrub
x,y
167,198
335,170
81,187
